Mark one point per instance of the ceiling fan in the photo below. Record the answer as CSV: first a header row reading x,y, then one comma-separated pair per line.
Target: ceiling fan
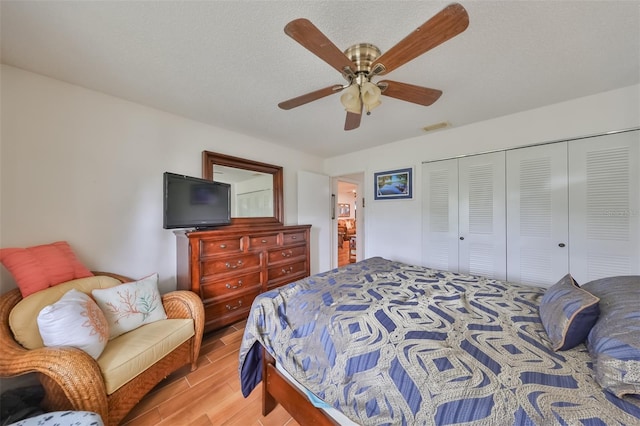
x,y
361,62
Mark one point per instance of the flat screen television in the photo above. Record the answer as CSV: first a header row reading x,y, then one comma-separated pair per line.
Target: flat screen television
x,y
191,202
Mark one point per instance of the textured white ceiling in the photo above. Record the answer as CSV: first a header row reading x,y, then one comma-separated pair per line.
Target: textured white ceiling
x,y
229,63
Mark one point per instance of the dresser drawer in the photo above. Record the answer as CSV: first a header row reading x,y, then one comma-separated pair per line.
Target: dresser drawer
x,y
286,279
293,237
285,270
230,286
225,312
231,305
237,264
222,246
285,253
263,241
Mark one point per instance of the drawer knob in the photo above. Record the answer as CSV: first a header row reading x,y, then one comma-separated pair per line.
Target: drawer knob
x,y
288,270
237,265
223,246
287,253
264,241
233,308
231,287
294,237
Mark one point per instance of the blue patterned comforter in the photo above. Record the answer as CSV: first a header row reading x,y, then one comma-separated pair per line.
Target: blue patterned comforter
x,y
389,343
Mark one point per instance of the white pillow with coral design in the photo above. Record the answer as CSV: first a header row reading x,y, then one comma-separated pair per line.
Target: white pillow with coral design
x,y
74,320
130,305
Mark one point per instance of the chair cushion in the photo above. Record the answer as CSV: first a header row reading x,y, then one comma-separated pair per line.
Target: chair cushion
x,y
74,320
40,267
131,353
128,306
23,317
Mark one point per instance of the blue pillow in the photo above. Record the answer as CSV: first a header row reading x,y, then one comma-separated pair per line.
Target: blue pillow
x,y
614,342
568,313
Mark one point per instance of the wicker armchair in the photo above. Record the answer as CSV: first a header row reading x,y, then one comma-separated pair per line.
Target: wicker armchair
x,y
72,379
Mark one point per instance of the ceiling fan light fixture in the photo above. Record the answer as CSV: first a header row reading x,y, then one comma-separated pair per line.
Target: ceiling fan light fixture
x,y
350,99
361,62
370,95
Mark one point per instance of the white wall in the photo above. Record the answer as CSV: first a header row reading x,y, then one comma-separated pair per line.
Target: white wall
x,y
81,166
85,167
393,227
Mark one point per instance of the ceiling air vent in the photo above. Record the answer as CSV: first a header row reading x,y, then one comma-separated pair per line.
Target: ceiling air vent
x,y
437,126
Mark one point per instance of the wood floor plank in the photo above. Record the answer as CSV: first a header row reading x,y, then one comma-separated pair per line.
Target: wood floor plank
x,y
278,417
232,338
181,400
198,407
343,254
220,370
233,347
203,420
240,325
231,407
148,418
158,397
234,383
236,407
248,415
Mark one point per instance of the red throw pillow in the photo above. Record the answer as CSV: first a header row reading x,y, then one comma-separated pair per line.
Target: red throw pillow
x,y
40,267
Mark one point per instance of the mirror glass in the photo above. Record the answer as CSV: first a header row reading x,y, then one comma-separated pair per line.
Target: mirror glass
x,y
256,188
251,192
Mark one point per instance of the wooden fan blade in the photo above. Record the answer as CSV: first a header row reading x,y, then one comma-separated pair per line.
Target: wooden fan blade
x,y
310,37
309,97
410,93
446,24
353,120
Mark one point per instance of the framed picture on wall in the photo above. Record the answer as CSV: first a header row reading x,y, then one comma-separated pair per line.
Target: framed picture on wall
x,y
344,210
393,184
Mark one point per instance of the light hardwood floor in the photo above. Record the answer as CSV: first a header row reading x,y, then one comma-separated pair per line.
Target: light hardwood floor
x,y
343,254
210,395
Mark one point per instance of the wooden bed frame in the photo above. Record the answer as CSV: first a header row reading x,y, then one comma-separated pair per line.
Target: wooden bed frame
x,y
278,389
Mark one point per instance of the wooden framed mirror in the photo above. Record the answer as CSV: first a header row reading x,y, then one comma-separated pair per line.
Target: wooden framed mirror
x,y
256,188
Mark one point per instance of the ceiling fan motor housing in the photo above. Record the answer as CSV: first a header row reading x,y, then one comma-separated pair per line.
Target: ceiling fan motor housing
x,y
362,55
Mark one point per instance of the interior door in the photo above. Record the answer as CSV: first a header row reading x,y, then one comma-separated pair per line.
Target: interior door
x,y
482,217
440,215
537,215
314,208
604,200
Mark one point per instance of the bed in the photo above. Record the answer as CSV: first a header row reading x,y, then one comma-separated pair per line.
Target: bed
x,y
382,342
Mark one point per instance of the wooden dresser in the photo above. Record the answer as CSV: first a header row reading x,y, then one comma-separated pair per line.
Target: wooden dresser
x,y
228,267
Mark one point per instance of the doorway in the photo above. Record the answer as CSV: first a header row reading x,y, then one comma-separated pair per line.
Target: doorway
x,y
349,219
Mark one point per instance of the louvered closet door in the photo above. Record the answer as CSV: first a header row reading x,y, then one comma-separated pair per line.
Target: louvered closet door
x,y
537,215
482,218
604,206
440,215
